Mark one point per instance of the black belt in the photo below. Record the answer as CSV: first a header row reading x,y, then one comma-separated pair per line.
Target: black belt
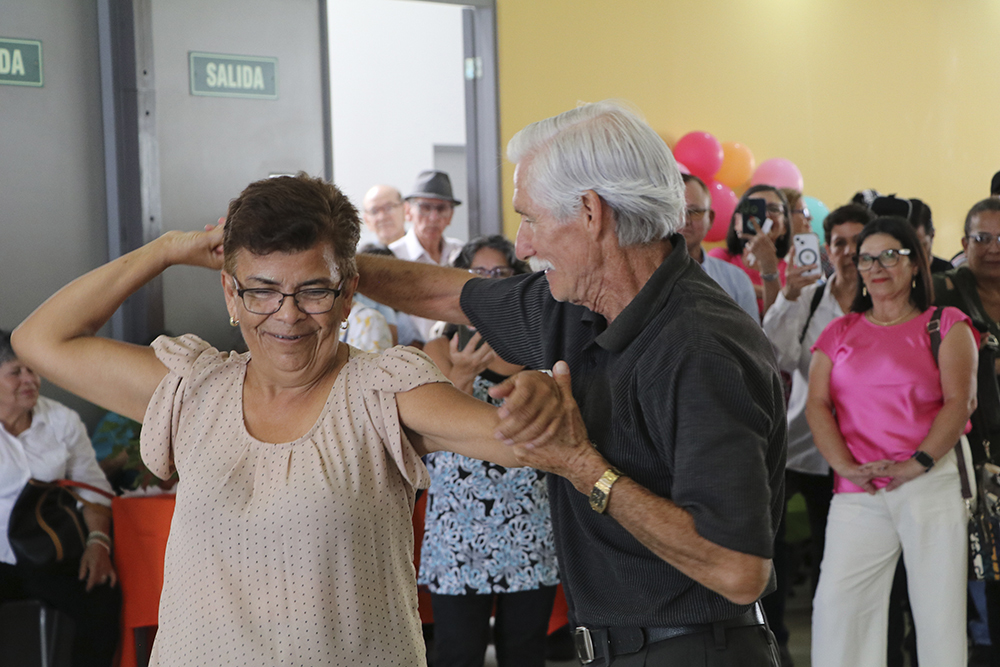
x,y
621,640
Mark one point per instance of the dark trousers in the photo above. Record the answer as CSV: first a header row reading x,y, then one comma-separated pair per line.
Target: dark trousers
x,y
462,628
95,614
818,492
752,646
993,620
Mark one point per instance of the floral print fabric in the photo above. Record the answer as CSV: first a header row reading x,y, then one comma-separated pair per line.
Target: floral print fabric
x,y
488,528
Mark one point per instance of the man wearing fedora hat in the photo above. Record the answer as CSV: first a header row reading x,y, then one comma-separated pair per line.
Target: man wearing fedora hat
x,y
429,208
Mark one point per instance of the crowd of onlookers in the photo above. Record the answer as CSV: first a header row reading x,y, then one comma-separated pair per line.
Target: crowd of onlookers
x,y
850,333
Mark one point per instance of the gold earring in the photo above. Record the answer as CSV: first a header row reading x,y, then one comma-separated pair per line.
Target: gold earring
x,y
913,285
864,290
233,322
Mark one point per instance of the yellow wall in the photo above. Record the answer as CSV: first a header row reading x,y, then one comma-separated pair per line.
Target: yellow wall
x,y
902,96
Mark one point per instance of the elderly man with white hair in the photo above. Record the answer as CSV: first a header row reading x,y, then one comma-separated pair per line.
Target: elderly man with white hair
x,y
669,461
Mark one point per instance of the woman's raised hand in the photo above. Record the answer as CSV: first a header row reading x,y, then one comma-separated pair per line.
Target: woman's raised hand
x,y
470,361
762,248
794,278
196,248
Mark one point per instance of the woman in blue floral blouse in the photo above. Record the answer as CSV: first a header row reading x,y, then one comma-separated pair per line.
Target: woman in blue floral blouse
x,y
488,531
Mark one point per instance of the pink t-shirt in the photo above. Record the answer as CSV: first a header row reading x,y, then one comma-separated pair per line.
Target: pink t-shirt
x,y
737,260
885,385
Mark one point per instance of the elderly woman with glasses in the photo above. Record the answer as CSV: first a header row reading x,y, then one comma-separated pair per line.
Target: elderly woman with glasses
x,y
291,542
886,412
488,531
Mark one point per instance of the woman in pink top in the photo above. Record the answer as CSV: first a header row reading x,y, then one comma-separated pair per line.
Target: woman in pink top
x,y
886,416
760,255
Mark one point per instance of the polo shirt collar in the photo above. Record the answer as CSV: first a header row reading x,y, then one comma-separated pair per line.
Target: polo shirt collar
x,y
649,301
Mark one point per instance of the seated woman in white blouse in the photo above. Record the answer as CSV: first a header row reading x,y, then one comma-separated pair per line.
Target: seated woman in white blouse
x,y
42,439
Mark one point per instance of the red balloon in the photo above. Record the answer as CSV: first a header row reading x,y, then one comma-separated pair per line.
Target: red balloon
x,y
779,173
724,203
683,168
701,152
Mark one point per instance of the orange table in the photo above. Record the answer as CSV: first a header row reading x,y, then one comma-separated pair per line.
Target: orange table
x,y
141,526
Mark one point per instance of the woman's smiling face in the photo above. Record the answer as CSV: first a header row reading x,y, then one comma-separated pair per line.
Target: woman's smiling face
x,y
289,339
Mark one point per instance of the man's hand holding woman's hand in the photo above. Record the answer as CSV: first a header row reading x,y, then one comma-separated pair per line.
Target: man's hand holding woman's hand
x,y
541,421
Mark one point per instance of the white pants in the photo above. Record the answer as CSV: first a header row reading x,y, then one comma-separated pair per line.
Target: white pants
x,y
926,518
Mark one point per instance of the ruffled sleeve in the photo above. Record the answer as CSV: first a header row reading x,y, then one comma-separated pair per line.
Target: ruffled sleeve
x,y
184,358
396,370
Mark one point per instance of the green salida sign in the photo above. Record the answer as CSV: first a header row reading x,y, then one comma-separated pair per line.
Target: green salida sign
x,y
222,75
20,62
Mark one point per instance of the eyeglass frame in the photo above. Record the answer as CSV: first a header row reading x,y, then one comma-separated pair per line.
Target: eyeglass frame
x,y
899,252
241,292
694,213
483,272
993,238
384,208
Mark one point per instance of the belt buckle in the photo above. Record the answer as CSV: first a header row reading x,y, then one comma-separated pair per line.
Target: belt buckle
x,y
584,645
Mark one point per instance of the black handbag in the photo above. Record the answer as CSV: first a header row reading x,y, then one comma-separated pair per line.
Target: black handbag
x,y
984,523
46,527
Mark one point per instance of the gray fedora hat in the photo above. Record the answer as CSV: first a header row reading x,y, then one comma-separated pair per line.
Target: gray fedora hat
x,y
433,184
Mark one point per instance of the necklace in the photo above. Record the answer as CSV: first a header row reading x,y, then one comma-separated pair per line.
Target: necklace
x,y
871,318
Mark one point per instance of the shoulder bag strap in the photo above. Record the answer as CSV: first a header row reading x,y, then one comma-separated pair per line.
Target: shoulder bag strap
x,y
813,305
934,330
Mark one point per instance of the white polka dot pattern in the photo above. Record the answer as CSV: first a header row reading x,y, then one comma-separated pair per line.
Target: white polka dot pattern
x,y
295,553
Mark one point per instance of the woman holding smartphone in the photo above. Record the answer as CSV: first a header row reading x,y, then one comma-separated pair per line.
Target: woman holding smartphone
x,y
759,252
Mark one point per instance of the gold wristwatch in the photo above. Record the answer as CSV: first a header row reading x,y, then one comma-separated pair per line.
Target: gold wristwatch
x,y
601,492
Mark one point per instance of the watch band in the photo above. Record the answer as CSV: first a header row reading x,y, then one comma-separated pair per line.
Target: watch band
x,y
601,492
924,459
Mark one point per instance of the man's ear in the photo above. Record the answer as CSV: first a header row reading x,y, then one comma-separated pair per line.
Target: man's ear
x,y
598,218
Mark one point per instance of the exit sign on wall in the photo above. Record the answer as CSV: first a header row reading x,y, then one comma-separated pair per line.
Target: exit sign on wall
x,y
222,75
20,62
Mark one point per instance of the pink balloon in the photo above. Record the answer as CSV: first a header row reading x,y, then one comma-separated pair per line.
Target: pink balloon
x,y
778,172
683,168
724,203
701,152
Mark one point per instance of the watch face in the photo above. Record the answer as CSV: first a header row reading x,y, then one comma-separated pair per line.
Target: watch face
x,y
598,500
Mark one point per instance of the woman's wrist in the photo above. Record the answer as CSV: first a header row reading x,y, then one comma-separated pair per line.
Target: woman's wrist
x,y
99,537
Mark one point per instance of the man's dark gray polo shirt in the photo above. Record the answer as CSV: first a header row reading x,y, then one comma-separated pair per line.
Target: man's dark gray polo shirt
x,y
680,392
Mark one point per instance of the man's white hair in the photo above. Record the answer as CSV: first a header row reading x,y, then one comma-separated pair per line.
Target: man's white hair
x,y
608,148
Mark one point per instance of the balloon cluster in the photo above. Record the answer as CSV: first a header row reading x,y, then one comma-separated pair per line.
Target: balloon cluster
x,y
730,166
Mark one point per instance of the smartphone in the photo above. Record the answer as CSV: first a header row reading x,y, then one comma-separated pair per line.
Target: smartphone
x,y
465,334
807,252
754,213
